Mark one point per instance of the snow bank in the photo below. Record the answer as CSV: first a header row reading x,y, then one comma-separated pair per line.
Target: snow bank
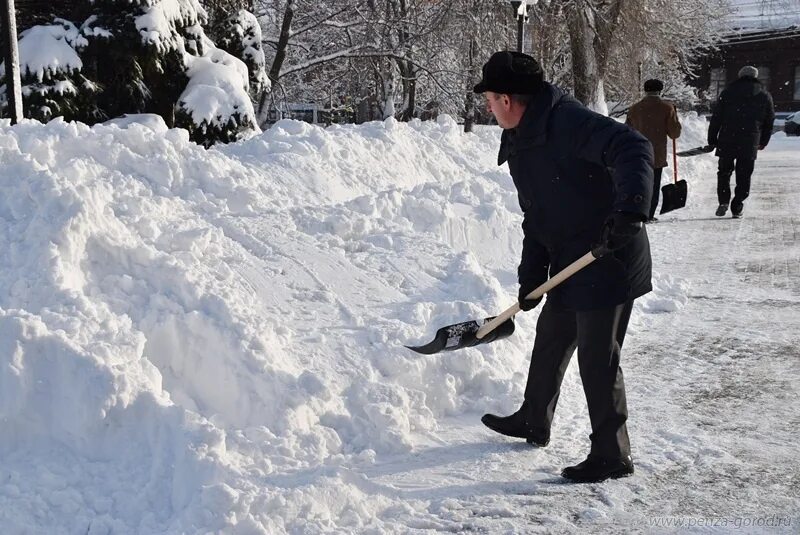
x,y
195,340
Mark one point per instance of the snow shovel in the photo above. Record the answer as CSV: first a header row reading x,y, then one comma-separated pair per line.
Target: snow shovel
x,y
674,195
475,332
697,150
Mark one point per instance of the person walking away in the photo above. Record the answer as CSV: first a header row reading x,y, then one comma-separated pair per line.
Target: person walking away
x,y
741,125
656,119
582,180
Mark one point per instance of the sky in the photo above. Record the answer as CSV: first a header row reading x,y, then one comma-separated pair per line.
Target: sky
x,y
197,341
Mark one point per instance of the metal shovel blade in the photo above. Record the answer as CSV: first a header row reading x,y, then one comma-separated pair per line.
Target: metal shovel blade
x,y
461,335
697,150
673,196
465,334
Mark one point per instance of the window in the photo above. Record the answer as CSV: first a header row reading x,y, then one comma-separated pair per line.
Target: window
x,y
763,76
797,83
717,83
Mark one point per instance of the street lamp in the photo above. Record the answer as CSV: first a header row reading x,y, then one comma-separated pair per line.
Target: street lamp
x,y
520,8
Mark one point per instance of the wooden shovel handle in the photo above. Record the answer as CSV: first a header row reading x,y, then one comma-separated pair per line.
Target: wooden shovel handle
x,y
674,162
551,283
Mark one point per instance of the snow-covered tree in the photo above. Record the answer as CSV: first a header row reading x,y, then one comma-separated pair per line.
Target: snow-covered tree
x,y
674,31
401,58
141,56
215,106
235,29
476,29
240,36
317,50
136,53
52,82
387,57
603,49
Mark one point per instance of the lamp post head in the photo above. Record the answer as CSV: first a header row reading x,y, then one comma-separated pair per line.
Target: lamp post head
x,y
520,8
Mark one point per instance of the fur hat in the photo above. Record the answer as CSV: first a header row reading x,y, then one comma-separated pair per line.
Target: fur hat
x,y
748,70
511,73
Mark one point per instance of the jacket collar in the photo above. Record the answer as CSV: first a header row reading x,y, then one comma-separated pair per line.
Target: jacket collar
x,y
532,128
746,85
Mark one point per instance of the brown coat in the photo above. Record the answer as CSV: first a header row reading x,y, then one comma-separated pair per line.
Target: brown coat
x,y
655,119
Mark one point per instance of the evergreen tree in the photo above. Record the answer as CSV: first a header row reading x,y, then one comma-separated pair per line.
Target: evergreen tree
x,y
215,105
240,36
142,56
55,88
135,52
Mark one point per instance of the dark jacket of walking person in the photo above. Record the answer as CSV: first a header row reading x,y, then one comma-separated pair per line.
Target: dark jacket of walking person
x,y
582,179
656,119
741,125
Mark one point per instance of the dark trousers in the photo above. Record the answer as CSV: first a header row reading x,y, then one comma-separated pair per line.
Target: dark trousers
x,y
598,336
744,170
656,190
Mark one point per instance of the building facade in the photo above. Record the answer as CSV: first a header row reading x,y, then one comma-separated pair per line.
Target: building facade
x,y
776,55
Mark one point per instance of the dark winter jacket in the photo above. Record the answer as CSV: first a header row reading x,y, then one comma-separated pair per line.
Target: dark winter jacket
x,y
572,167
742,120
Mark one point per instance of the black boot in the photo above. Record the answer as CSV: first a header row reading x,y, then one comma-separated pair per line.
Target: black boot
x,y
721,209
517,425
596,469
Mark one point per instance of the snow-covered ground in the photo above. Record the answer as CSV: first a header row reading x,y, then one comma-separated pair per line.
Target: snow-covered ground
x,y
200,341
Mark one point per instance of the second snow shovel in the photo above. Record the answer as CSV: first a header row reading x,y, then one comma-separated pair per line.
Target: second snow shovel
x,y
475,332
674,195
697,150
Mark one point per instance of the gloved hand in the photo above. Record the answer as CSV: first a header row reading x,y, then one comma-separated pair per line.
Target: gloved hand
x,y
527,304
619,228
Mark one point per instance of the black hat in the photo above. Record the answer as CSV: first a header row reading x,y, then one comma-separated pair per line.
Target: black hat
x,y
511,73
653,86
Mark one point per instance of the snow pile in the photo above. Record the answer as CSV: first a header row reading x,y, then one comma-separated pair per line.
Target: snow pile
x,y
195,340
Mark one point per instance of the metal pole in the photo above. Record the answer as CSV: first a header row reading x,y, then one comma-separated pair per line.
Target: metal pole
x,y
640,78
520,8
13,82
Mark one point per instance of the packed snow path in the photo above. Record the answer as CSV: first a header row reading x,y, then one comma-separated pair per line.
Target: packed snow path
x,y
713,394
